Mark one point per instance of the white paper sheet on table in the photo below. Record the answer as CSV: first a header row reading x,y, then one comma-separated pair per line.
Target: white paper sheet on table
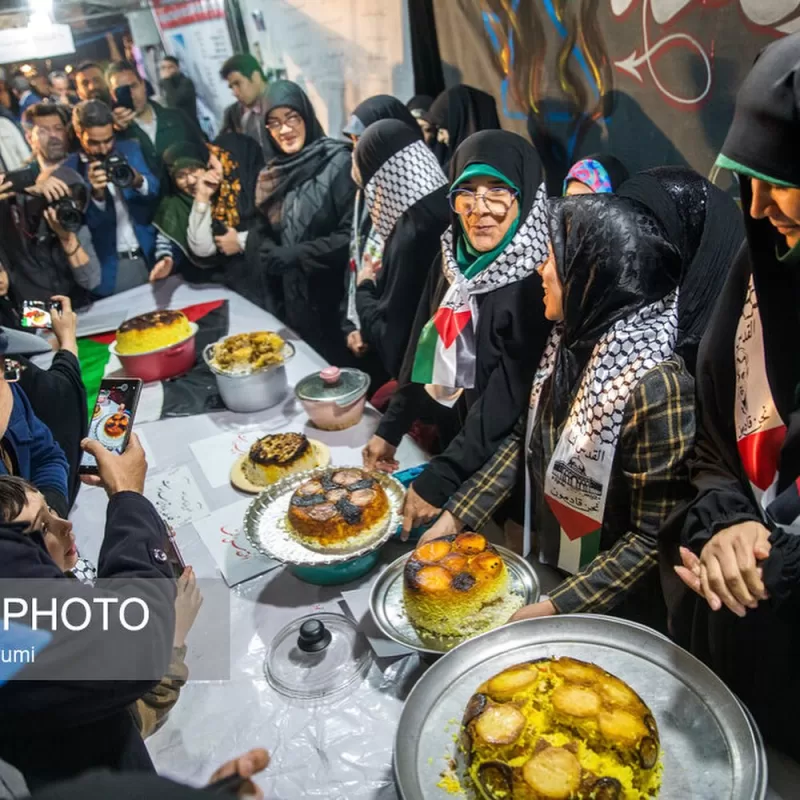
x,y
383,647
221,533
217,454
176,496
149,453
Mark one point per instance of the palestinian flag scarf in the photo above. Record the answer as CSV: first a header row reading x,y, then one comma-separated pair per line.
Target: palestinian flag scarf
x,y
760,429
192,393
579,473
445,356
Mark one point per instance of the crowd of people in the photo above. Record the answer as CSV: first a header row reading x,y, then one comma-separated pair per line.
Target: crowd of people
x,y
609,374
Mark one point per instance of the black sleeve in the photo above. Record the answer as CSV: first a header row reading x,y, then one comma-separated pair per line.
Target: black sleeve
x,y
409,402
387,309
723,497
328,251
131,553
520,335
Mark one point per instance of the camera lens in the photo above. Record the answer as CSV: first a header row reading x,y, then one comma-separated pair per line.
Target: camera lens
x,y
68,215
118,171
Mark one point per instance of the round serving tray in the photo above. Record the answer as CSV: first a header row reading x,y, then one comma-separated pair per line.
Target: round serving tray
x,y
710,748
266,522
389,612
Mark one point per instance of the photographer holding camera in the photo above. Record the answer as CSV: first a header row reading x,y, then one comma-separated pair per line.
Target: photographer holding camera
x,y
124,198
47,247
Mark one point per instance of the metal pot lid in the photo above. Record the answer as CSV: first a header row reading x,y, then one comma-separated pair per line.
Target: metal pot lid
x,y
342,386
316,657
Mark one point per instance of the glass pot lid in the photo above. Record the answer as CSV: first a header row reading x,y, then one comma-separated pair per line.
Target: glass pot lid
x,y
317,656
341,386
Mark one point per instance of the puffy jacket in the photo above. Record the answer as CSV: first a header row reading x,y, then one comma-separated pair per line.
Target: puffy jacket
x,y
297,249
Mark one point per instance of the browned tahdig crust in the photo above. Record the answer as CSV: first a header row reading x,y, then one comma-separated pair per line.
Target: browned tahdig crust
x,y
153,319
339,505
279,448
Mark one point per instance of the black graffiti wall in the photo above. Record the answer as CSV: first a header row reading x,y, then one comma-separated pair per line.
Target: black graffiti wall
x,y
651,81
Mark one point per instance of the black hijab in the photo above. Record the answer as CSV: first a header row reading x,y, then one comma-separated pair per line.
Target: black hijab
x,y
419,106
509,154
287,94
705,224
381,106
380,143
461,111
763,140
613,258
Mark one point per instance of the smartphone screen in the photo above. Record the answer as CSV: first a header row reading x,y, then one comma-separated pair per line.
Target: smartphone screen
x,y
174,557
112,419
123,98
36,314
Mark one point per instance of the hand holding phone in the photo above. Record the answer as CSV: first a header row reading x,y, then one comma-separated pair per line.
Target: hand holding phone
x,y
110,429
37,313
123,98
115,473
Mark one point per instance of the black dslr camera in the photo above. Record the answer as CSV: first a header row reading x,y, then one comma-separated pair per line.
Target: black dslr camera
x,y
68,213
119,172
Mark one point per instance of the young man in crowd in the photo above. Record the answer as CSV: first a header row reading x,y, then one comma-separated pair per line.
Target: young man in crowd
x,y
153,126
42,256
249,86
52,727
62,89
177,89
41,85
23,91
91,82
124,197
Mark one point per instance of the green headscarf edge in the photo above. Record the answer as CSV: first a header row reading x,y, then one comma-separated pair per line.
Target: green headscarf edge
x,y
472,261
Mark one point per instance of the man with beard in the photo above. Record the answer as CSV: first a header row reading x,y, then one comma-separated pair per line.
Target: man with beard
x,y
91,83
46,128
45,258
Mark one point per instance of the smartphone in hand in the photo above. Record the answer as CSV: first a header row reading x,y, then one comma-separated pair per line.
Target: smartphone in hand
x,y
174,557
37,313
123,98
112,420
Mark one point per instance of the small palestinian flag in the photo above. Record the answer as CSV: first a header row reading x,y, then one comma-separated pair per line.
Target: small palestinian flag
x,y
760,430
193,393
445,346
579,510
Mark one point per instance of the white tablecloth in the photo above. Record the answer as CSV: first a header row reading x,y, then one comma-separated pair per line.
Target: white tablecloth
x,y
344,752
339,752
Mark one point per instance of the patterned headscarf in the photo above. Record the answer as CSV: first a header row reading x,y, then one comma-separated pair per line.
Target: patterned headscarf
x,y
407,171
590,173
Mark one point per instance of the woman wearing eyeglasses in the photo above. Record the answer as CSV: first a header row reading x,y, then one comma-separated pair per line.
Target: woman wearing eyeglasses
x,y
610,425
297,248
480,327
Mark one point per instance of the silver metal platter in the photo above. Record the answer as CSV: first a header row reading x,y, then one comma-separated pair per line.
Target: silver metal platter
x,y
710,748
266,523
389,611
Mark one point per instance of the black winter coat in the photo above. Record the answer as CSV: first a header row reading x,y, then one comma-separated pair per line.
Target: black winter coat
x,y
53,730
387,307
297,249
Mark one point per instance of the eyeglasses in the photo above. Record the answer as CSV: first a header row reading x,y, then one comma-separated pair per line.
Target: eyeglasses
x,y
497,200
293,121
